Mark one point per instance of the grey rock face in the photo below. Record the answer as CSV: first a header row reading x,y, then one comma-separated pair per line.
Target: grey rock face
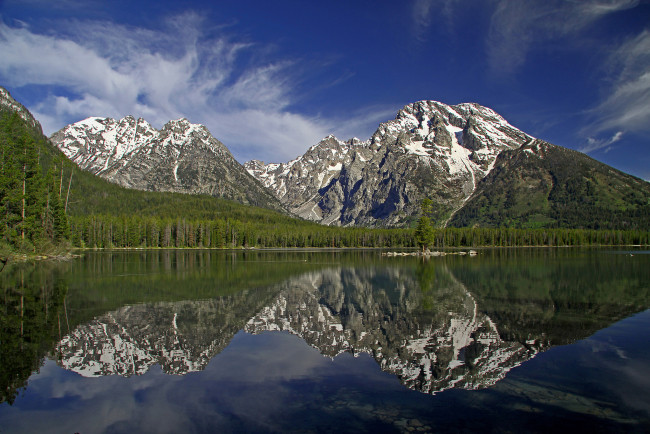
x,y
301,184
182,157
429,150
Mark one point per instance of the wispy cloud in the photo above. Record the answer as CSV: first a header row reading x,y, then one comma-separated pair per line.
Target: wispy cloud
x,y
425,13
234,87
517,27
627,105
421,14
594,144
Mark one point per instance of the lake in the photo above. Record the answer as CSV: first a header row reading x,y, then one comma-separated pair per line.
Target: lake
x,y
510,340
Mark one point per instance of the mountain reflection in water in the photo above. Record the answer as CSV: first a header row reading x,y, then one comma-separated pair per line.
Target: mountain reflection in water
x,y
419,323
279,341
448,344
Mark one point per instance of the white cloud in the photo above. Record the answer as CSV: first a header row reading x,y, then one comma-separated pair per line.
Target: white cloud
x,y
516,27
105,69
627,105
421,14
271,136
594,144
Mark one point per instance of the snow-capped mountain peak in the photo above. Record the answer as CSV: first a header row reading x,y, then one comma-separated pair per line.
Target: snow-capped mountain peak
x,y
181,157
429,147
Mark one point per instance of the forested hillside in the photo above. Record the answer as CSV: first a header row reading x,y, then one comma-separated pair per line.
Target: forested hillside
x,y
544,186
31,202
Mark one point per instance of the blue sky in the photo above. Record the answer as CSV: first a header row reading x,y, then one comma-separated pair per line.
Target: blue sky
x,y
271,78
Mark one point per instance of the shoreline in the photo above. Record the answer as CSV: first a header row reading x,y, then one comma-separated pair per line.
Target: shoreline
x,y
77,252
412,250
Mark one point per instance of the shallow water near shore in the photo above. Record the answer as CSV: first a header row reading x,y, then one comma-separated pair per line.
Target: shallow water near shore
x,y
508,340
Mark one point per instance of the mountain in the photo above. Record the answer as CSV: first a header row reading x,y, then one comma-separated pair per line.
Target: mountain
x,y
429,150
181,157
476,168
87,199
540,184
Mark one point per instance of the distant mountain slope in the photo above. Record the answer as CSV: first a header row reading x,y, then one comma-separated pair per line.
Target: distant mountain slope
x,y
429,150
181,157
543,185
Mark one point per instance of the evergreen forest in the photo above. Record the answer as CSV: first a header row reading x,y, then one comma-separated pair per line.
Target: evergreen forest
x,y
31,202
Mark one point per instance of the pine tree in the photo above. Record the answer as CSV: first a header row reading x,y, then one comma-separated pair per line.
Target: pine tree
x,y
424,231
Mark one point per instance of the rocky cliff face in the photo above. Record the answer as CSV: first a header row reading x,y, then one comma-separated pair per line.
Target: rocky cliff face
x,y
429,150
181,157
300,183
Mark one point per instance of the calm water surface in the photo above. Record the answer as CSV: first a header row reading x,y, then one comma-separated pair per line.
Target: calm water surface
x,y
511,340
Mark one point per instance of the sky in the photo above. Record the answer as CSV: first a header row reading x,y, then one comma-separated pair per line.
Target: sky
x,y
271,78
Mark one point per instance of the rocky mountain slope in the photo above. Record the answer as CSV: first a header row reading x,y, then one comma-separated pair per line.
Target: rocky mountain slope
x,y
475,167
9,105
429,150
181,157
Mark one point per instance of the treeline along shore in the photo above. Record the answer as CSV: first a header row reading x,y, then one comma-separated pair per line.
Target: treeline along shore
x,y
154,232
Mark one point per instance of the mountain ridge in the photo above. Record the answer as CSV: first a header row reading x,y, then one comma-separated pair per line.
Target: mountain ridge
x,y
7,102
429,149
181,157
541,183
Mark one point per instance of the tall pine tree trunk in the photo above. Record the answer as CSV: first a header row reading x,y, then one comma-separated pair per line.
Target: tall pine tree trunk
x,y
67,196
22,228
